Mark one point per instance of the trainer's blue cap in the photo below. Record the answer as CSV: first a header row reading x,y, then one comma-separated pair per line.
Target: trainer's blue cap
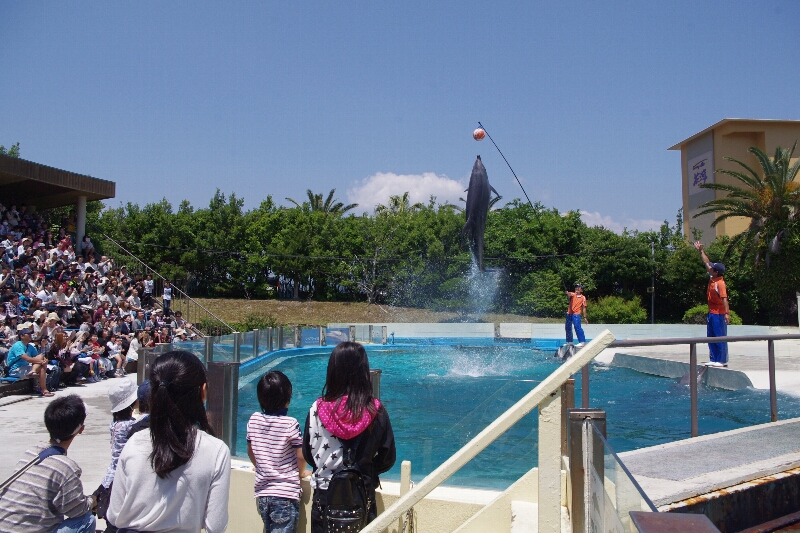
x,y
719,267
579,285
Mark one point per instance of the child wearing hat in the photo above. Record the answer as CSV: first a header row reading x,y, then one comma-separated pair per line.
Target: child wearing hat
x,y
123,394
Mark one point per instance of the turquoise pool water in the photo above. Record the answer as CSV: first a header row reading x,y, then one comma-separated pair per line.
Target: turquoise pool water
x,y
439,396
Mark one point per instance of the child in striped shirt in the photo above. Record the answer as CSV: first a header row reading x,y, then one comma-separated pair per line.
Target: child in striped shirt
x,y
274,444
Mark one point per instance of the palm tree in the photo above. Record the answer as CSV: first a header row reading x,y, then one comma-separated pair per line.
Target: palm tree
x,y
330,206
399,204
771,202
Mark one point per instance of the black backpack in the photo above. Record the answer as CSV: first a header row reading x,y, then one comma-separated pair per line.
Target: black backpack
x,y
53,377
348,501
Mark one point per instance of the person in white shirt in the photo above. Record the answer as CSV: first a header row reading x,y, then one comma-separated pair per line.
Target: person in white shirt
x,y
185,486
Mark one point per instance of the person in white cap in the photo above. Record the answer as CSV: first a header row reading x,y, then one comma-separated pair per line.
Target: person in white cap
x,y
124,399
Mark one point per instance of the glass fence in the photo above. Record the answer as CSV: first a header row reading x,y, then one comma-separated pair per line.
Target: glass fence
x,y
615,493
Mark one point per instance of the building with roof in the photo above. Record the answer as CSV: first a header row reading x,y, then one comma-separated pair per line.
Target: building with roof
x,y
703,153
43,187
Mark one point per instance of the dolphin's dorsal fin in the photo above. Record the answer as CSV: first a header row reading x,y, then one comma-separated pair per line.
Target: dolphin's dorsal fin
x,y
479,158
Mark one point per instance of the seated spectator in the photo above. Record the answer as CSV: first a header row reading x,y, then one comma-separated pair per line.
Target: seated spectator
x,y
49,495
23,359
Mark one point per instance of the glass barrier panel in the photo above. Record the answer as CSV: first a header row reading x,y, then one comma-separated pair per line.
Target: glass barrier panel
x,y
310,337
246,346
288,337
334,336
377,337
222,348
615,490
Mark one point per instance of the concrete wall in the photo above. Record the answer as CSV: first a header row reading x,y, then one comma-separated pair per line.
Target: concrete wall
x,y
443,511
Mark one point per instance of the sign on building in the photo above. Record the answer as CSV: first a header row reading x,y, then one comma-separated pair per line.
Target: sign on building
x,y
700,172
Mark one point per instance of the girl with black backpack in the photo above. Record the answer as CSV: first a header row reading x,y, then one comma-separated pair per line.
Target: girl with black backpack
x,y
348,441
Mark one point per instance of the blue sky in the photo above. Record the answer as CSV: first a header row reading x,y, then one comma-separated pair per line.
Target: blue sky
x,y
177,99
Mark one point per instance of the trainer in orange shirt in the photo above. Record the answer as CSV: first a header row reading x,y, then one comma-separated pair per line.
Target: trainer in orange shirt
x,y
576,308
719,314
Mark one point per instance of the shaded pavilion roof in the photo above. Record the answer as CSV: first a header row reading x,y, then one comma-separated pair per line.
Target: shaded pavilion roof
x,y
23,181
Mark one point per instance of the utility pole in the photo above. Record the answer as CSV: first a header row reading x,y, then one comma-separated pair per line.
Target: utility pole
x,y
653,284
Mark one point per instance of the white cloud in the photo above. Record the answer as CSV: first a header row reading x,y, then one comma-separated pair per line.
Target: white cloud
x,y
596,219
377,189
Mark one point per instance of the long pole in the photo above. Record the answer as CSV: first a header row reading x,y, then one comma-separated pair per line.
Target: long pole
x,y
507,163
653,284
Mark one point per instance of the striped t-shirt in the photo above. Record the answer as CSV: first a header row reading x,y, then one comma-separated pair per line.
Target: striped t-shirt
x,y
274,441
44,495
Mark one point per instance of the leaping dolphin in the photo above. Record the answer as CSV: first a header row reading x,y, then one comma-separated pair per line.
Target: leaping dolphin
x,y
478,195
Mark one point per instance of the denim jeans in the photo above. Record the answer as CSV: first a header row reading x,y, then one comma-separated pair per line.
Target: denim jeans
x,y
280,515
574,321
717,327
80,524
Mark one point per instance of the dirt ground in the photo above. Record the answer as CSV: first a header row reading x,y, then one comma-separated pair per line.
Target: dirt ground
x,y
322,313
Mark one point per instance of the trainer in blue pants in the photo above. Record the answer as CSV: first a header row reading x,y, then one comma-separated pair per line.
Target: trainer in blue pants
x,y
575,321
717,328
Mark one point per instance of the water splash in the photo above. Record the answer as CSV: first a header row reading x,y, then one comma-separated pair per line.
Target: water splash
x,y
483,287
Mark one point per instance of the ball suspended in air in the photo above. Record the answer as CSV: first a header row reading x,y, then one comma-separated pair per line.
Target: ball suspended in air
x,y
479,134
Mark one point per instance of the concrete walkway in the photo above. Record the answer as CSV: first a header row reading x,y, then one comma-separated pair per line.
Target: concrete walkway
x,y
22,420
675,471
747,357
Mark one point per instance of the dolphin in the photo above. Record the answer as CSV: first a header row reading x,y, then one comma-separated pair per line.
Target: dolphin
x,y
478,195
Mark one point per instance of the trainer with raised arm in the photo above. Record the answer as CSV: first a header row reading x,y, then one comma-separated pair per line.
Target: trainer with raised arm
x,y
576,308
719,314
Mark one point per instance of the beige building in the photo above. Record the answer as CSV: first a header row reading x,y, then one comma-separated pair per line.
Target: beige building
x,y
705,152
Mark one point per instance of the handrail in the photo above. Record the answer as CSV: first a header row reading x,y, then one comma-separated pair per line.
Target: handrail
x,y
628,343
549,386
693,342
176,289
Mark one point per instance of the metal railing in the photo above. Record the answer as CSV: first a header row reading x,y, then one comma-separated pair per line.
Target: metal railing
x,y
693,342
547,397
193,311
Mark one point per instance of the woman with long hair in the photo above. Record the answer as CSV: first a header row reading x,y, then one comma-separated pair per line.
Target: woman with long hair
x,y
346,417
176,476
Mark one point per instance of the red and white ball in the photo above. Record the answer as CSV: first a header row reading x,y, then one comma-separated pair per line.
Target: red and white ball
x,y
479,134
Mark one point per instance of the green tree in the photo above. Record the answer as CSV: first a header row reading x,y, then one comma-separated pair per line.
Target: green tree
x,y
11,151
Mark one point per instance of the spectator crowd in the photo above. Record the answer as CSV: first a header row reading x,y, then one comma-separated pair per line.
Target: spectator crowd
x,y
69,315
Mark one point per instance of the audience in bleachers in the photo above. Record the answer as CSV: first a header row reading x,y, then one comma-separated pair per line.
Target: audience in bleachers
x,y
65,297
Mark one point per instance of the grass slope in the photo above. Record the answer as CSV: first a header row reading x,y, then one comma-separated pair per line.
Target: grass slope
x,y
323,313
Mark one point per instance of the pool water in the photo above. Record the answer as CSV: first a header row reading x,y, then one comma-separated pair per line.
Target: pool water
x,y
440,396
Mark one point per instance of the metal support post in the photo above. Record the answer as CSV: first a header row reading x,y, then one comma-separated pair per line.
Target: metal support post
x,y
322,335
384,335
352,334
773,392
370,334
255,343
237,347
298,337
585,387
222,400
280,338
693,386
270,339
143,365
567,402
375,378
577,474
208,350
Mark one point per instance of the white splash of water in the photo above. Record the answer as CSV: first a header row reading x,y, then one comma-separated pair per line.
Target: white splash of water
x,y
483,288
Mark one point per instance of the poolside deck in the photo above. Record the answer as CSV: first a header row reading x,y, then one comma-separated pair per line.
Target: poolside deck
x,y
675,471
